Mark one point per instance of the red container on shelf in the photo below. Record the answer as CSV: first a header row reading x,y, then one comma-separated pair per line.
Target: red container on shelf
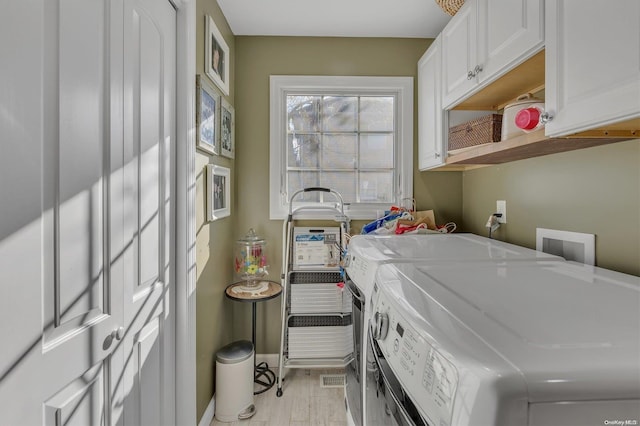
x,y
530,119
509,127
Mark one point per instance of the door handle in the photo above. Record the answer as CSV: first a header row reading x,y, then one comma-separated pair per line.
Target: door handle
x,y
354,291
117,333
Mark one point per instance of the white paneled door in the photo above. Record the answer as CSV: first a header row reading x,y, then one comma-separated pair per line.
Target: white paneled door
x,y
87,157
149,138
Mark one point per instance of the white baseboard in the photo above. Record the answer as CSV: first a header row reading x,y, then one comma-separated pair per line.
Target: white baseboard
x,y
207,417
271,359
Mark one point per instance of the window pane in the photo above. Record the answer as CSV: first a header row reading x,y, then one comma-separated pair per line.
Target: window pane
x,y
339,151
376,151
376,187
300,180
340,113
342,182
376,113
302,150
303,113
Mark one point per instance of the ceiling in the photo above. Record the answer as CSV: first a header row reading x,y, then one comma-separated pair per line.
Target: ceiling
x,y
335,18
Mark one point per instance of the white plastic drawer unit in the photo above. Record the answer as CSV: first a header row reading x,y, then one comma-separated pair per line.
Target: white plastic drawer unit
x,y
319,325
318,292
320,298
312,337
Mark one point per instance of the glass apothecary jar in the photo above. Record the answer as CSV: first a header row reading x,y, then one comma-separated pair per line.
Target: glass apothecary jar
x,y
250,258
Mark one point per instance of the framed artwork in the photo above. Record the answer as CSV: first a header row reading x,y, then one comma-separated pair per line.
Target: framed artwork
x,y
227,129
216,57
218,192
207,101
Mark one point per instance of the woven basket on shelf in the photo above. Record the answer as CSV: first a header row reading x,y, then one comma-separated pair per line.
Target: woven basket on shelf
x,y
450,6
476,132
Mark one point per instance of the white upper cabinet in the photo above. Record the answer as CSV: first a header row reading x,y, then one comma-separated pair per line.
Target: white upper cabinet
x,y
592,64
431,149
484,40
509,31
459,54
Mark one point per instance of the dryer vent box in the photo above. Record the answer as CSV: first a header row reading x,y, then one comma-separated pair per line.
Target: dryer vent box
x,y
574,246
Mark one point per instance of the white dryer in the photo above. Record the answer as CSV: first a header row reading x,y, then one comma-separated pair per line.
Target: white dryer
x,y
505,343
367,252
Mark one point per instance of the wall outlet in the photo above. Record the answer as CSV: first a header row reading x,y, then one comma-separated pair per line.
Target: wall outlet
x,y
501,207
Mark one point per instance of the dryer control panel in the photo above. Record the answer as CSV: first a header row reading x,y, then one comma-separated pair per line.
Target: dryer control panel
x,y
361,271
425,374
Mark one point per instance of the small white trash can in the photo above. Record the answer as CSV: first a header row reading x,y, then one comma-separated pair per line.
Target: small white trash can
x,y
234,382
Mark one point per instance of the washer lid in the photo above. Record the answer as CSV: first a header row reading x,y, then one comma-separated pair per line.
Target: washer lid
x,y
571,330
367,252
440,247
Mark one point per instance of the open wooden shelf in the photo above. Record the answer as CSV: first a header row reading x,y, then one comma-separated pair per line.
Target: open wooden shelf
x,y
528,145
528,77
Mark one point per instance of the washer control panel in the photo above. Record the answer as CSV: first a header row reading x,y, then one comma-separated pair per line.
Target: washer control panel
x,y
426,375
361,271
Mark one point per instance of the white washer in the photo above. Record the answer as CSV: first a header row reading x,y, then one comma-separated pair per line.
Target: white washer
x,y
511,343
367,252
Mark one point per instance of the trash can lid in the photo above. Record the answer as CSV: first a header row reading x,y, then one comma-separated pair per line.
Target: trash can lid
x,y
235,352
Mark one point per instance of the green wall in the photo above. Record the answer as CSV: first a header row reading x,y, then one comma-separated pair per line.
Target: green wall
x,y
214,240
253,60
594,190
256,59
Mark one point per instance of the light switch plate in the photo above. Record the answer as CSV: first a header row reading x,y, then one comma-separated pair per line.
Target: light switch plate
x,y
501,207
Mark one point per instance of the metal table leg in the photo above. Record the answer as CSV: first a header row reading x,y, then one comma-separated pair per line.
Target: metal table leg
x,y
260,370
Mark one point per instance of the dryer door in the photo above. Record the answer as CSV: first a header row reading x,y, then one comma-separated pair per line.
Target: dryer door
x,y
354,369
386,402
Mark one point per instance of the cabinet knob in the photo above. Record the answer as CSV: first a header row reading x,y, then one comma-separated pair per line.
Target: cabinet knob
x,y
472,74
545,117
437,155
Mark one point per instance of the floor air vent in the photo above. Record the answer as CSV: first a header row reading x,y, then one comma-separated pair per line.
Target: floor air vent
x,y
331,380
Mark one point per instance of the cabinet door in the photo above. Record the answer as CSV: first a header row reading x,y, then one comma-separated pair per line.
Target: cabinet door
x,y
509,31
459,54
431,146
592,64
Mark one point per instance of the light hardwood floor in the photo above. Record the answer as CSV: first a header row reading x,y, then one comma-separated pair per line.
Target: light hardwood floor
x,y
303,403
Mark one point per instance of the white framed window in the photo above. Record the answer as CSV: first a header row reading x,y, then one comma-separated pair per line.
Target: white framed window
x,y
350,134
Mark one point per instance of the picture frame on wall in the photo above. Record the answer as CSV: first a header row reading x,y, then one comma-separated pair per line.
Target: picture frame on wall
x,y
227,129
218,192
216,63
207,107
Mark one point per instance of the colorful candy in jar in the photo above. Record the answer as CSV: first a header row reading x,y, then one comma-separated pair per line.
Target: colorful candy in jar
x,y
250,259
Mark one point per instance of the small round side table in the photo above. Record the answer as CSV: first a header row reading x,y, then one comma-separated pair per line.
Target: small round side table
x,y
234,292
